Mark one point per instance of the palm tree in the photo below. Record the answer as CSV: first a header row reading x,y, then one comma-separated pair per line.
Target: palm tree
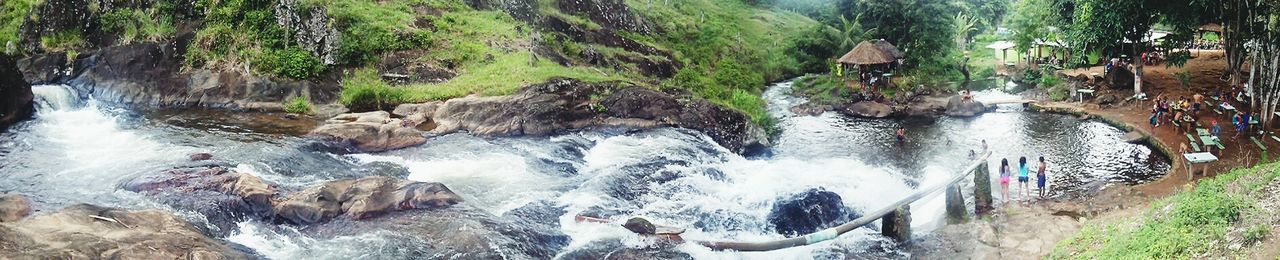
x,y
851,32
964,24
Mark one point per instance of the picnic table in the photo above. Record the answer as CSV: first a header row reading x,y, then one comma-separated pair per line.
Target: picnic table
x,y
1211,141
1203,159
1202,131
1084,92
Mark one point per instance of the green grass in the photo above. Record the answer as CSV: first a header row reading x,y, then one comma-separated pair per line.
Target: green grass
x,y
364,90
298,105
506,74
823,89
12,13
62,41
153,24
1179,227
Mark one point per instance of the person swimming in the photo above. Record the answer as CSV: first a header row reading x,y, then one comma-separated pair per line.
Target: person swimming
x,y
901,134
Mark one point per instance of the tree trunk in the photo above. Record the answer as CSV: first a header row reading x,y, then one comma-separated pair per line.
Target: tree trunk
x,y
1137,68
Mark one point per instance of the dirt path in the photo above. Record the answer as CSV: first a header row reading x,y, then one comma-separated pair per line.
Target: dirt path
x,y
1031,230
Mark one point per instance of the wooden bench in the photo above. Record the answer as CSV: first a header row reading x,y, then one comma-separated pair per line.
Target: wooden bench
x,y
1215,110
1260,146
1194,146
1275,138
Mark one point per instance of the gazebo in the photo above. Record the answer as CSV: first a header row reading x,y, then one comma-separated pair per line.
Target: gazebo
x,y
874,60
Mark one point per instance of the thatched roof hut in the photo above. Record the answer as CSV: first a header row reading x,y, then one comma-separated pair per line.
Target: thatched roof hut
x,y
868,52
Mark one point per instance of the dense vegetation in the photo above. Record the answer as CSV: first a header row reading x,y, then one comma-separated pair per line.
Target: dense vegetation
x,y
725,50
934,34
1187,225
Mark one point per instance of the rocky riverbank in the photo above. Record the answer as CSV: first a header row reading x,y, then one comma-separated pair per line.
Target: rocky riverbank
x,y
543,109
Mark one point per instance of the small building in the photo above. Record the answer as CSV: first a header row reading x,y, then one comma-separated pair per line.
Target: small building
x,y
875,61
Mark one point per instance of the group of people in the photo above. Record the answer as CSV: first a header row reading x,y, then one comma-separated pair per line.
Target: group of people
x,y
1183,110
1186,111
1024,177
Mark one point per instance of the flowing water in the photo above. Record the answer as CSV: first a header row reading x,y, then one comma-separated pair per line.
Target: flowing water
x,y
78,150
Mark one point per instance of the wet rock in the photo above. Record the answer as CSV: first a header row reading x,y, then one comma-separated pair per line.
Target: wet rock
x,y
959,108
810,109
222,196
614,249
868,109
14,207
808,212
368,132
15,94
641,226
92,232
457,232
151,75
362,199
44,69
565,104
200,157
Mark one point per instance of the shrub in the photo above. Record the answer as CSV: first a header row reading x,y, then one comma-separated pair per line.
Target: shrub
x,y
292,62
298,105
1256,233
1059,93
364,90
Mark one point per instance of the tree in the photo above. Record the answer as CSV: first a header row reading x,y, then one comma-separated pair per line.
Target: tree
x,y
915,26
1031,21
1110,23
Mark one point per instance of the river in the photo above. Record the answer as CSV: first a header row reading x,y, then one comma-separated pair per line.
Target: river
x,y
79,151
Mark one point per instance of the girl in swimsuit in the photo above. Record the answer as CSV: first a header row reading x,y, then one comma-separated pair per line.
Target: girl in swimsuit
x,y
1023,176
1004,178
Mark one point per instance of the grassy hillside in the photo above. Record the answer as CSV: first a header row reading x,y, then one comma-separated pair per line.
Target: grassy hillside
x,y
1223,217
721,50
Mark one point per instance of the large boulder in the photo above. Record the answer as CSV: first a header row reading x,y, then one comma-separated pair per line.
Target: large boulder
x,y
368,132
611,14
956,106
868,109
1120,78
92,232
222,196
362,199
313,29
808,212
566,104
14,207
15,94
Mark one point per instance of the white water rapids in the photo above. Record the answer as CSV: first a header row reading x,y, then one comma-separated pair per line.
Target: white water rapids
x,y
78,151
